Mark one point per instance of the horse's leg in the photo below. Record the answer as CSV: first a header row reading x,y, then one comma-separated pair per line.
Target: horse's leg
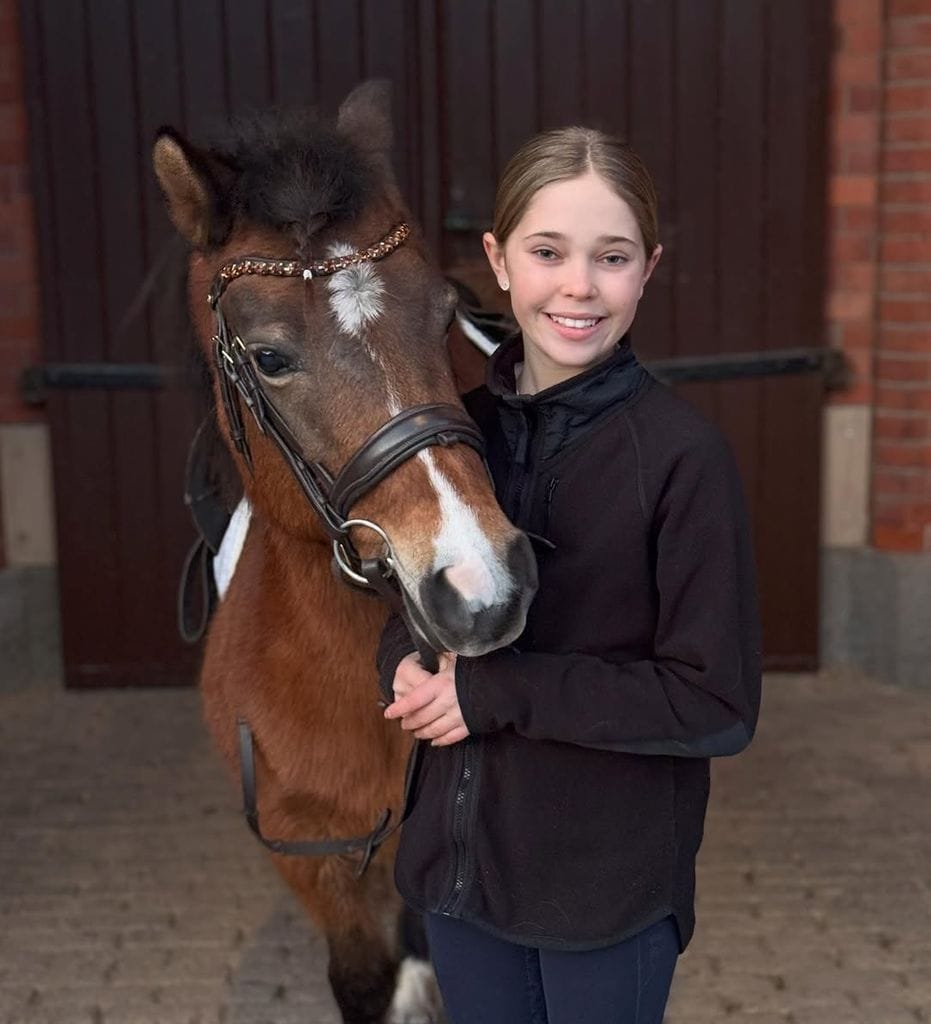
x,y
416,995
373,980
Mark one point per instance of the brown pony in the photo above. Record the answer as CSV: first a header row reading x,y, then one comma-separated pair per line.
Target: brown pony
x,y
291,648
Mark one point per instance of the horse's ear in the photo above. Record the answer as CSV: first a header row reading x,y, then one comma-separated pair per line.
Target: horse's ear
x,y
365,116
195,185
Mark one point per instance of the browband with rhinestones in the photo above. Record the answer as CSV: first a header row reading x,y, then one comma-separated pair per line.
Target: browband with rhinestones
x,y
294,268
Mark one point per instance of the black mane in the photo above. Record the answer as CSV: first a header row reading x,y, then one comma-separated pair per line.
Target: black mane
x,y
294,172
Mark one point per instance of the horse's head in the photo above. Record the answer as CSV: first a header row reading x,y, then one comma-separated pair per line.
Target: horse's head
x,y
339,355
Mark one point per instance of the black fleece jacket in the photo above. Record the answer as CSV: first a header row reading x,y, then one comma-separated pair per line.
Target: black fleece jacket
x,y
572,815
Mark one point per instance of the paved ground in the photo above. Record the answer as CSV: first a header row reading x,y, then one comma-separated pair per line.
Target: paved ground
x,y
130,893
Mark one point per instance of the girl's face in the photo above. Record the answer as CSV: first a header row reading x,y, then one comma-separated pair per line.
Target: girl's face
x,y
576,266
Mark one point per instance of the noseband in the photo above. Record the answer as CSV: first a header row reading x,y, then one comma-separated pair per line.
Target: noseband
x,y
332,498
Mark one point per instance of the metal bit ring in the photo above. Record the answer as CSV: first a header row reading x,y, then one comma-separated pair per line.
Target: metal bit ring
x,y
343,557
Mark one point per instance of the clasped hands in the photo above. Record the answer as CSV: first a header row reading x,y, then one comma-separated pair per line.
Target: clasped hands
x,y
427,704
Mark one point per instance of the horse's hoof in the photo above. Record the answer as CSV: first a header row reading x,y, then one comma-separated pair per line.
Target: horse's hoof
x,y
416,996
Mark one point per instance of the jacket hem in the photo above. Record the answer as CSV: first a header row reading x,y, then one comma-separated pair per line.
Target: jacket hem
x,y
553,942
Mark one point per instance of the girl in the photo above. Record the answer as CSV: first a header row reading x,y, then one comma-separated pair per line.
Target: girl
x,y
562,795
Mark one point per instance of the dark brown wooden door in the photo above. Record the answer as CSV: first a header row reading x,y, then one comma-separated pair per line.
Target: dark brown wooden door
x,y
726,103
725,100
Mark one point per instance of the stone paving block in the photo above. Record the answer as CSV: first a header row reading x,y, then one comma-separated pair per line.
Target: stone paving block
x,y
143,900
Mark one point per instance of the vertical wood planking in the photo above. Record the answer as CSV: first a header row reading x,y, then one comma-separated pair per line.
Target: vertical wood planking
x,y
248,55
388,53
122,272
818,123
516,71
561,60
789,413
339,51
787,113
694,232
72,178
86,554
205,95
159,84
740,142
605,87
652,134
724,99
468,121
788,521
430,87
292,39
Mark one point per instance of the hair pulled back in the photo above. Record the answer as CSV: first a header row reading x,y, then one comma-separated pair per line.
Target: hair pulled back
x,y
565,153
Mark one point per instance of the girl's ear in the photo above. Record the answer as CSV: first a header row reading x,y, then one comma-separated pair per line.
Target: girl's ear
x,y
495,254
651,263
650,267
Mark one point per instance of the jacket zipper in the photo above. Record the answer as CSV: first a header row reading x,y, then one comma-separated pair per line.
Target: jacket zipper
x,y
519,491
519,472
547,503
459,828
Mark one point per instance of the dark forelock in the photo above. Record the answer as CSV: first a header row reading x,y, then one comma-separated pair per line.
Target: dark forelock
x,y
295,172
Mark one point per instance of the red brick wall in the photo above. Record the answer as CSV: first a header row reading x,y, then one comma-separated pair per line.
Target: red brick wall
x,y
879,305
19,305
856,124
19,302
902,436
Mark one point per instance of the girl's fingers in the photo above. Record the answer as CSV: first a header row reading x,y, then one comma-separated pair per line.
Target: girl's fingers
x,y
456,735
419,697
440,727
425,717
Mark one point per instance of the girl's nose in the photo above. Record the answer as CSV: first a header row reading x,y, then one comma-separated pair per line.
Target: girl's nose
x,y
579,281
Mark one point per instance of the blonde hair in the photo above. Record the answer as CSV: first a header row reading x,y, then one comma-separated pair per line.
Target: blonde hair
x,y
565,153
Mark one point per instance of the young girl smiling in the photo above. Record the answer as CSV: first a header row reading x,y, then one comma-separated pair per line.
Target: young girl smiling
x,y
561,800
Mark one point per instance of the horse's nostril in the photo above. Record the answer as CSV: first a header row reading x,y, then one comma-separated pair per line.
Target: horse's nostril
x,y
444,603
473,582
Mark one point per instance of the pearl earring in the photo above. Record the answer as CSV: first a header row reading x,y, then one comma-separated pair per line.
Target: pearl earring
x,y
505,284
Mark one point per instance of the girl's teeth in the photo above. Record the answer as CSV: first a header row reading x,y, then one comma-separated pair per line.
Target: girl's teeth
x,y
566,322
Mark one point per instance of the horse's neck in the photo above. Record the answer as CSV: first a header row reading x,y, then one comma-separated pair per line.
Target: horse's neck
x,y
294,593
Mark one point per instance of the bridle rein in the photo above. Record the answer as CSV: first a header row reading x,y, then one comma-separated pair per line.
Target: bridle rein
x,y
332,496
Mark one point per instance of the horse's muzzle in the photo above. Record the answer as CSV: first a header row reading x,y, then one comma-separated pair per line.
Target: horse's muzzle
x,y
471,626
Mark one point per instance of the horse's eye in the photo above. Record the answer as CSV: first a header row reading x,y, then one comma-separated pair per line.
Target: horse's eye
x,y
270,363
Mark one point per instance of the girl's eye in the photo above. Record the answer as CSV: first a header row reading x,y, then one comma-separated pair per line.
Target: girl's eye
x,y
270,363
546,254
615,259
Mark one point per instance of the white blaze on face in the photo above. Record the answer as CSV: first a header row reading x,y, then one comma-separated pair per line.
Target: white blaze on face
x,y
463,550
355,295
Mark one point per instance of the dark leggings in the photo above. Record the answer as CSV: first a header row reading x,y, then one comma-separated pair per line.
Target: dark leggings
x,y
485,980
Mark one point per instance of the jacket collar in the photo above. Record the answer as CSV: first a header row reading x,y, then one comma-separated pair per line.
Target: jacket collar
x,y
569,408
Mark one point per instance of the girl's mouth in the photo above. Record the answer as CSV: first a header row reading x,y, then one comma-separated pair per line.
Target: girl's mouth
x,y
574,328
578,323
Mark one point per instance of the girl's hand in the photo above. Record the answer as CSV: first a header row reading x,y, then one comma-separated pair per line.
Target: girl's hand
x,y
430,707
409,673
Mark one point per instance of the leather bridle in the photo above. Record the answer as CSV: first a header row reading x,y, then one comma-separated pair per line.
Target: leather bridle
x,y
332,496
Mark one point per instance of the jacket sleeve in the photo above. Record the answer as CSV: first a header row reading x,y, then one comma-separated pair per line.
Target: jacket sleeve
x,y
699,694
394,645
